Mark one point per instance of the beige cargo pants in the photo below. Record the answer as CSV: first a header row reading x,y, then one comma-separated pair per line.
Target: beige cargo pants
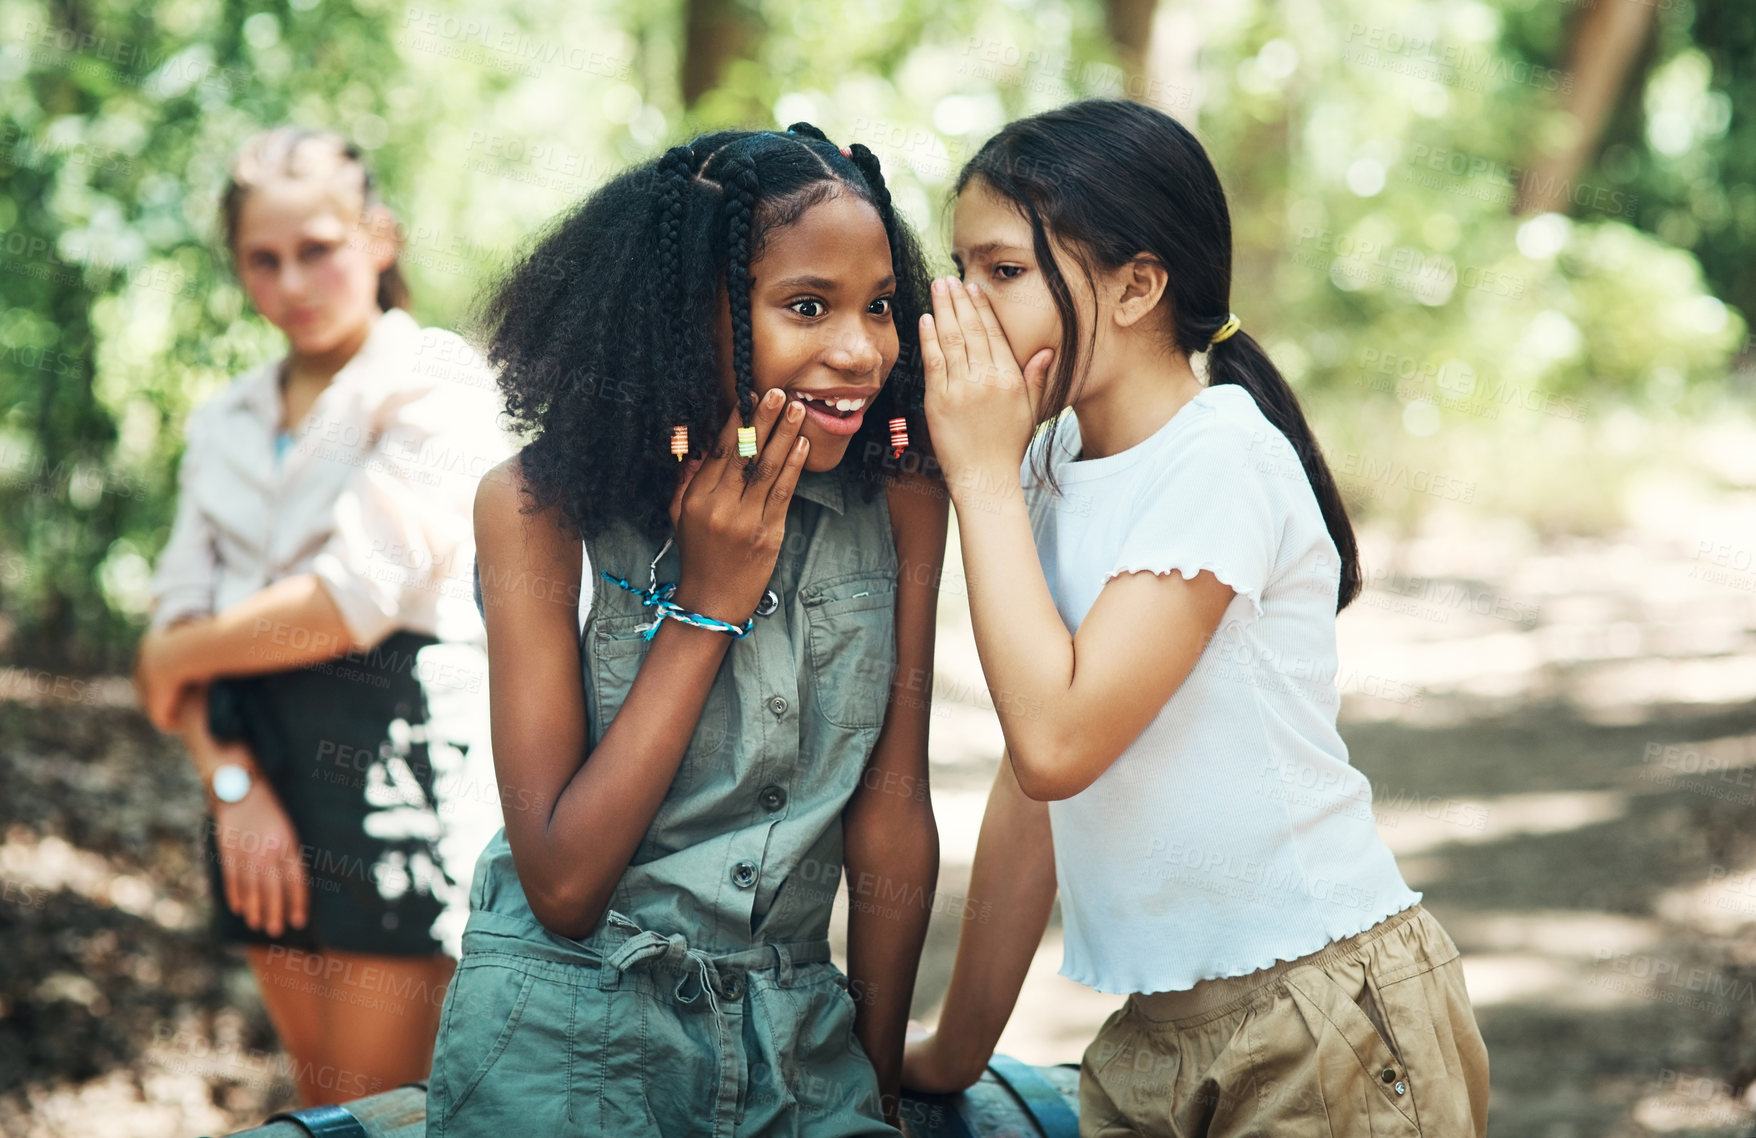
x,y
1372,1035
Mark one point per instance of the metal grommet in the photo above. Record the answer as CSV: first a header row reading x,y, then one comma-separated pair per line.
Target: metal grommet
x,y
1402,1088
1388,1074
744,874
772,798
770,601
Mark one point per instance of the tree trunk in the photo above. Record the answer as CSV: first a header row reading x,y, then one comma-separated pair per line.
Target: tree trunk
x,y
714,32
1606,39
1129,23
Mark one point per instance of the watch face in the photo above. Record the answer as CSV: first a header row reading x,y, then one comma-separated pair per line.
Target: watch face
x,y
230,782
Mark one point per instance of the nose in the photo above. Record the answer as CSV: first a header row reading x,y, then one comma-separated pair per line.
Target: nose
x,y
291,279
853,350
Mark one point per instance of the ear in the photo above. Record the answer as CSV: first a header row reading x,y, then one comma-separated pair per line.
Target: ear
x,y
385,242
1137,287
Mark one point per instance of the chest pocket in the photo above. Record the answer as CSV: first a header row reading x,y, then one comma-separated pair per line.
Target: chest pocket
x,y
615,648
852,635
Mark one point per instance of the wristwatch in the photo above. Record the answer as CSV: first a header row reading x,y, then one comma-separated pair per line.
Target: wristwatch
x,y
230,782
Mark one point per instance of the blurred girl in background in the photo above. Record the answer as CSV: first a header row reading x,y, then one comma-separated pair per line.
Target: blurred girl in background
x,y
1172,759
324,500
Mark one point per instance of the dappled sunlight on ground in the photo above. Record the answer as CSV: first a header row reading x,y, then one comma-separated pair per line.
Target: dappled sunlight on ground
x,y
1561,737
1560,734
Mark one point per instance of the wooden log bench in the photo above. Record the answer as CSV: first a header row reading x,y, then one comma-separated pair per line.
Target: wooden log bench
x,y
1013,1100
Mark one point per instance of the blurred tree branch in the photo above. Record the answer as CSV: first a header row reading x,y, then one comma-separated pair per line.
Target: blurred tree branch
x,y
1607,37
714,33
1129,23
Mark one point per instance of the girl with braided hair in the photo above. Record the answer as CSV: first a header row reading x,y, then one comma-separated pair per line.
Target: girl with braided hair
x,y
708,678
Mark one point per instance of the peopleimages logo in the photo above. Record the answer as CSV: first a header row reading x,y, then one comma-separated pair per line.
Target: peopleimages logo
x,y
1507,183
1449,64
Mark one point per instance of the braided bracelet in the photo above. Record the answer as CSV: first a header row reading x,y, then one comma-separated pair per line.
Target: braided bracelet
x,y
658,598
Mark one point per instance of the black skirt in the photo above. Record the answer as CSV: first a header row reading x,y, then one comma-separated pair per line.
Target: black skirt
x,y
343,744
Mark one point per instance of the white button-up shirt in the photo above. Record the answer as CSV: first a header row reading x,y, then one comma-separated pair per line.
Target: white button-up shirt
x,y
374,495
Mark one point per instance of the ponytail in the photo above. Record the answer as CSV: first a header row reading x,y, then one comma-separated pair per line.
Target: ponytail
x,y
1240,360
393,290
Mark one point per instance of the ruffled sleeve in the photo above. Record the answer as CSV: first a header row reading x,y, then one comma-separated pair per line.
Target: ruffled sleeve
x,y
1217,502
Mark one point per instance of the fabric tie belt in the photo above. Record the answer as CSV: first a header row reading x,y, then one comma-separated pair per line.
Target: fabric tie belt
x,y
620,946
673,950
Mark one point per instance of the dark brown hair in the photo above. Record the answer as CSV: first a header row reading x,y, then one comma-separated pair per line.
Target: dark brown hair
x,y
605,336
1114,179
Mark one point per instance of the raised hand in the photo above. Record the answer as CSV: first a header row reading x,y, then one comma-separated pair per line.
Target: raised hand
x,y
981,408
729,527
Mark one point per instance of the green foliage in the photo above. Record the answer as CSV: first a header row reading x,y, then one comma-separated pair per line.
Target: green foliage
x,y
1684,142
1371,149
118,312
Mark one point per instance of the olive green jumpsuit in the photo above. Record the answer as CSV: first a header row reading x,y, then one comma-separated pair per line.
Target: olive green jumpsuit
x,y
705,1001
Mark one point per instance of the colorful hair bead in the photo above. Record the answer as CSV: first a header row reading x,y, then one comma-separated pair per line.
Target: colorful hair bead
x,y
747,442
679,441
898,436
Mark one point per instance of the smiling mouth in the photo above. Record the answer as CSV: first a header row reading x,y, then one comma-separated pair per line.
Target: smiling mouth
x,y
839,408
839,416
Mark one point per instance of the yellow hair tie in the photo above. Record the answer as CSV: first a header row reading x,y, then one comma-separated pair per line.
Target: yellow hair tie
x,y
1226,329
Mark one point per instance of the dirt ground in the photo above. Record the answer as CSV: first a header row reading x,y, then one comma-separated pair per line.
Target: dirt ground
x,y
1561,735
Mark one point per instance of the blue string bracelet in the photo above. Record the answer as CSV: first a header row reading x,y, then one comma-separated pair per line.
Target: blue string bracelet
x,y
665,608
658,598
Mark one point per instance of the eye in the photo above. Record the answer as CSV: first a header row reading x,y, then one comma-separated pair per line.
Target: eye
x,y
818,304
264,261
887,301
315,250
1008,272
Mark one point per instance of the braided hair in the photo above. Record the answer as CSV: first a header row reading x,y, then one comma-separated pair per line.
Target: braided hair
x,y
743,189
604,334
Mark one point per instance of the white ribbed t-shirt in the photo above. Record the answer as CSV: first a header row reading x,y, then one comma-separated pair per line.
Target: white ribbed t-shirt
x,y
1233,833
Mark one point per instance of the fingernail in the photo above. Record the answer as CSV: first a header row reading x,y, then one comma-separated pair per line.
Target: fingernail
x,y
939,284
773,397
973,290
795,412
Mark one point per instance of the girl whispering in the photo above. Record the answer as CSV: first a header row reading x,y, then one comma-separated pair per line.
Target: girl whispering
x,y
1172,760
691,662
